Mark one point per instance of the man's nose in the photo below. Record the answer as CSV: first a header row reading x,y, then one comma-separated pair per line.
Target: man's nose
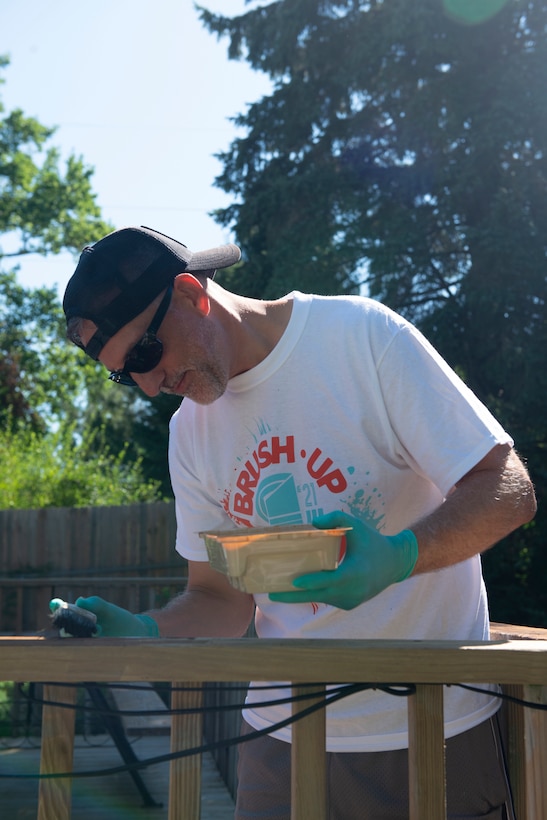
x,y
150,382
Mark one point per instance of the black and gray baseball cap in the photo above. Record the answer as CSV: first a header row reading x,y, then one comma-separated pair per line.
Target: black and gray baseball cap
x,y
120,276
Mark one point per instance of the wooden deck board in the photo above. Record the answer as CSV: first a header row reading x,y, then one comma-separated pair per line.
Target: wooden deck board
x,y
114,796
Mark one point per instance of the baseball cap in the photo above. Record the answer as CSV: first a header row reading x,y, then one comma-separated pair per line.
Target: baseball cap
x,y
120,276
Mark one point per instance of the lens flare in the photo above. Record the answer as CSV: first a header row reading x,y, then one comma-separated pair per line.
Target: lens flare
x,y
473,12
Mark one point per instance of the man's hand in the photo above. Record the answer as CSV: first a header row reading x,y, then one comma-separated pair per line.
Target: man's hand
x,y
115,622
372,562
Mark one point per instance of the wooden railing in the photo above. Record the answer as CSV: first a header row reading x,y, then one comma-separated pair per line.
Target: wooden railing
x,y
520,665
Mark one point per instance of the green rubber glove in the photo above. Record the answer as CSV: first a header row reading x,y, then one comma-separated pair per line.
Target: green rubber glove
x,y
372,562
115,622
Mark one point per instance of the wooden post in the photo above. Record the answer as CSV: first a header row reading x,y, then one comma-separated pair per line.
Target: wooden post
x,y
426,760
185,772
308,759
535,747
515,748
57,752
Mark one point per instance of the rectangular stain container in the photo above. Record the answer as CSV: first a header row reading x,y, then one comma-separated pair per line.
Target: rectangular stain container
x,y
268,559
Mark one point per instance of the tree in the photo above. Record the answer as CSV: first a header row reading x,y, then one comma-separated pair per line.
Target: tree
x,y
47,385
404,153
134,423
390,133
44,378
43,209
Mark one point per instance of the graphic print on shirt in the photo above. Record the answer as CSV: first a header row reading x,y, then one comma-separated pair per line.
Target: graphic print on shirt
x,y
265,485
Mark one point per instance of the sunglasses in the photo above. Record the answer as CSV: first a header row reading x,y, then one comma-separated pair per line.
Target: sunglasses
x,y
146,355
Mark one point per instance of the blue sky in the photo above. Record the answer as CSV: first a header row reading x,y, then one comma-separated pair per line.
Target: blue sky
x,y
144,94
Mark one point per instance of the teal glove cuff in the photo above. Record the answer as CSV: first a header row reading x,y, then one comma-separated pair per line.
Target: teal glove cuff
x,y
151,626
409,552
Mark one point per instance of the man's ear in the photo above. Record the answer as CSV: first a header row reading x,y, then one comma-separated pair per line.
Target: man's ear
x,y
189,286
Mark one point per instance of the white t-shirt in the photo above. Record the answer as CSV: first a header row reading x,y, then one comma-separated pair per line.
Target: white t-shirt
x,y
353,410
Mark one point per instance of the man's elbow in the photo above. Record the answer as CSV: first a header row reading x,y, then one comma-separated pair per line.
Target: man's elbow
x,y
528,505
524,499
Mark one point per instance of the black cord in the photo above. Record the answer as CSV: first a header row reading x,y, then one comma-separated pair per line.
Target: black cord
x,y
503,696
402,690
396,690
332,696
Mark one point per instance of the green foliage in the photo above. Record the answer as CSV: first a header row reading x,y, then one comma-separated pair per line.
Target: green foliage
x,y
392,151
7,693
45,383
42,208
60,470
43,375
136,423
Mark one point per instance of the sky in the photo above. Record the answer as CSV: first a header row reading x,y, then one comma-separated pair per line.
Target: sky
x,y
144,94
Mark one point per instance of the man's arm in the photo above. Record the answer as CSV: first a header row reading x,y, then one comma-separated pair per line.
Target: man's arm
x,y
489,502
209,607
494,498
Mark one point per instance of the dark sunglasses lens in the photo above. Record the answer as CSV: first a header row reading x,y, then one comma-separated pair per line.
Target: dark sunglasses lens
x,y
144,356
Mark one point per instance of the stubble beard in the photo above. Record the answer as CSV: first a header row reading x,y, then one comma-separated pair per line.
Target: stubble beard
x,y
207,386
207,375
206,382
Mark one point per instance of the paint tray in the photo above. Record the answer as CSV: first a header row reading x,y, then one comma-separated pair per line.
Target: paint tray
x,y
268,559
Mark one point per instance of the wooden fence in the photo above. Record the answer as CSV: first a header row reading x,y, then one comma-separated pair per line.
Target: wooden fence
x,y
66,552
520,665
74,540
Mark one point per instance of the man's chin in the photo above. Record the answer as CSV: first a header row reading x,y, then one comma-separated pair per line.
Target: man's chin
x,y
203,397
197,387
205,393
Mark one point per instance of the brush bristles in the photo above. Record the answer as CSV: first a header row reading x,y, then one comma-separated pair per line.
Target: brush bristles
x,y
73,621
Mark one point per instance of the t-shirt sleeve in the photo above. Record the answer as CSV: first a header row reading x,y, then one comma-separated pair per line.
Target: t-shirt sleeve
x,y
441,426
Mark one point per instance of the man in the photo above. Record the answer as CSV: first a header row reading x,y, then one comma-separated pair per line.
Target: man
x,y
329,410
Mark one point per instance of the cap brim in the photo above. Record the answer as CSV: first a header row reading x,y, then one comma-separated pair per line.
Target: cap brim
x,y
221,257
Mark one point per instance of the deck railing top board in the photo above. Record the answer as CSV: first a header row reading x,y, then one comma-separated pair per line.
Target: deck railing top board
x,y
125,659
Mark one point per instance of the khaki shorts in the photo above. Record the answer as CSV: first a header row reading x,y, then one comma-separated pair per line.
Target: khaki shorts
x,y
374,785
